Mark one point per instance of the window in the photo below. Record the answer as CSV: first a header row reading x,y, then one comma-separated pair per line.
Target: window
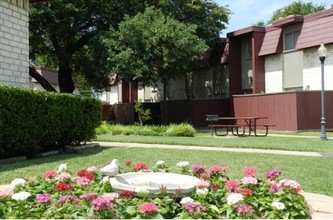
x,y
290,36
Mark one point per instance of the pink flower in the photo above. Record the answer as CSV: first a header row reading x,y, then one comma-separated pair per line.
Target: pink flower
x,y
101,203
198,168
63,177
249,171
217,169
6,193
68,198
148,208
274,188
244,209
43,198
231,185
111,196
193,207
89,196
249,180
273,174
203,184
83,181
290,184
50,174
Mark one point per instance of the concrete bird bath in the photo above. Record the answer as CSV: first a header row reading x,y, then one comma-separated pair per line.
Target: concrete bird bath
x,y
154,181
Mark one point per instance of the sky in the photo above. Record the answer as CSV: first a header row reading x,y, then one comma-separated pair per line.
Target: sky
x,y
246,13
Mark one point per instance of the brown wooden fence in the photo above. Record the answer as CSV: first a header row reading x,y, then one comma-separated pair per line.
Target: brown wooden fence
x,y
193,111
293,111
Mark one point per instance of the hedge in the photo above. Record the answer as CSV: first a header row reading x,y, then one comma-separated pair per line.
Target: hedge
x,y
36,121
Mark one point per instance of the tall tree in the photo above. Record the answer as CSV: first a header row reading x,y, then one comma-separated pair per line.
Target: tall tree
x,y
296,8
68,34
152,47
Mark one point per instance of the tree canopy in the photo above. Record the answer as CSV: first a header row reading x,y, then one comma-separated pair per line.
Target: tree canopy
x,y
296,8
152,47
69,34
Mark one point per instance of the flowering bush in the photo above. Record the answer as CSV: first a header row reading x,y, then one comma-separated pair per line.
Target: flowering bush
x,y
86,194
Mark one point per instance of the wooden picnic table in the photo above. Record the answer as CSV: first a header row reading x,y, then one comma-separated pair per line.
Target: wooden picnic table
x,y
233,124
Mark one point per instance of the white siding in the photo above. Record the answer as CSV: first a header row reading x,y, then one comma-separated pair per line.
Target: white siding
x,y
14,43
312,69
273,74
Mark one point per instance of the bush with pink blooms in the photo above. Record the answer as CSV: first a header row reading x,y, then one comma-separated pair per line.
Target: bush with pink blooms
x,y
87,194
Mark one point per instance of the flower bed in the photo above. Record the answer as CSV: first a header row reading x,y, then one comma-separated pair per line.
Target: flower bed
x,y
87,194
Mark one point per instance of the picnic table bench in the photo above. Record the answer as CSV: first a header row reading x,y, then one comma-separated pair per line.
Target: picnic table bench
x,y
233,124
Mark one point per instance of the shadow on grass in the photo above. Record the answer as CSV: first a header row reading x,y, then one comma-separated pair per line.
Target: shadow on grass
x,y
52,158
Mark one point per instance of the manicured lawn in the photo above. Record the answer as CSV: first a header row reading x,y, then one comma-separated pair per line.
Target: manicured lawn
x,y
313,173
205,139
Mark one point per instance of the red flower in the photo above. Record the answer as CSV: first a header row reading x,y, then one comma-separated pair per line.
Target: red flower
x,y
244,192
62,187
126,194
86,174
89,176
141,166
231,185
82,173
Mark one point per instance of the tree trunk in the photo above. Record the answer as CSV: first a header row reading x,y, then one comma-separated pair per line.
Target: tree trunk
x,y
66,83
41,80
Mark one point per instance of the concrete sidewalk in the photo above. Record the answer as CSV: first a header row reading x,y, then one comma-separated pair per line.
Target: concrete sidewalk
x,y
221,149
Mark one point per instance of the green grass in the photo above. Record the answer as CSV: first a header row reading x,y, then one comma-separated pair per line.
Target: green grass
x,y
313,173
204,139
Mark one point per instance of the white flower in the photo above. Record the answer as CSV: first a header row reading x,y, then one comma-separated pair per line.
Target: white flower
x,y
17,181
234,198
105,179
21,195
186,200
62,167
278,205
202,191
91,169
160,163
249,180
183,164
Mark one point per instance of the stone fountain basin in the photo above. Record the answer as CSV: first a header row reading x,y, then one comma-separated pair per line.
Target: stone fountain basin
x,y
153,181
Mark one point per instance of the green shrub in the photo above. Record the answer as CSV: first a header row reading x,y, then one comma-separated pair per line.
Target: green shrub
x,y
104,128
184,129
181,130
35,121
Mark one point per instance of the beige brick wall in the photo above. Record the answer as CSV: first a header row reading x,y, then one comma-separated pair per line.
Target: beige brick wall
x,y
14,42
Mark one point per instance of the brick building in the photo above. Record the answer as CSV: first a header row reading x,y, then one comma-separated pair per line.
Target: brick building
x,y
14,42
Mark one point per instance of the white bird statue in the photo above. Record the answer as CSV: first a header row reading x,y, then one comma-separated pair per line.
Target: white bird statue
x,y
111,169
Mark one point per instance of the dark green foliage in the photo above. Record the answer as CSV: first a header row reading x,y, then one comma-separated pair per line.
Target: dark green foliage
x,y
32,121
